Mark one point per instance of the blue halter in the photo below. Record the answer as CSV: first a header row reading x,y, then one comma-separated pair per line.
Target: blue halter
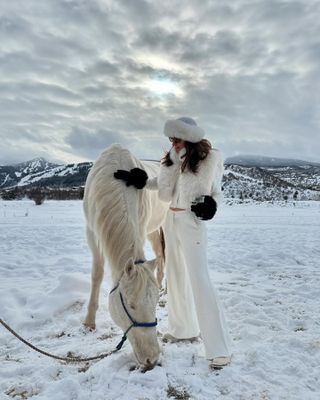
x,y
135,324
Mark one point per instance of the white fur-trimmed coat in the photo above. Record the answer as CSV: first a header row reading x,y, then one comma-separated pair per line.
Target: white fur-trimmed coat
x,y
187,186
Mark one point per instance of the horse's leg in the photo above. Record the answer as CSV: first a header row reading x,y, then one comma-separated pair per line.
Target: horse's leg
x,y
96,279
157,242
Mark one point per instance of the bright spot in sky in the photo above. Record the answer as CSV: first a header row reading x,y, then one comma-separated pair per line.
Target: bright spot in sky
x,y
163,86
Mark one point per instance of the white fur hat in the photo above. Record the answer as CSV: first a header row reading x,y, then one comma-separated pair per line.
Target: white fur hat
x,y
184,128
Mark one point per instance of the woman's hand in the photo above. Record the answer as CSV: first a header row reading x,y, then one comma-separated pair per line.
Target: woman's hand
x,y
205,210
136,177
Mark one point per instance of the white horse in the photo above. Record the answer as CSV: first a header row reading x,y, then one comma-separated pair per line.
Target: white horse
x,y
119,219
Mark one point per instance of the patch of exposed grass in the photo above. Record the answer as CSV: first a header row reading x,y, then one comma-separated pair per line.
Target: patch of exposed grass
x,y
21,393
61,334
9,358
107,336
178,394
84,368
162,303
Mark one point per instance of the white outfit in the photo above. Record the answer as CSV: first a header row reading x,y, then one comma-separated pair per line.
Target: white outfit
x,y
193,304
181,189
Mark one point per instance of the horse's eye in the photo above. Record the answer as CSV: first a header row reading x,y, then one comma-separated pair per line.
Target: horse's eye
x,y
132,306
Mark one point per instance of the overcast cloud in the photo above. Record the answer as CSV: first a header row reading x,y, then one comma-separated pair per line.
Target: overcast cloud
x,y
78,75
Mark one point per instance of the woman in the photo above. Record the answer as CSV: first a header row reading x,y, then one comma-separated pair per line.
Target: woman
x,y
190,179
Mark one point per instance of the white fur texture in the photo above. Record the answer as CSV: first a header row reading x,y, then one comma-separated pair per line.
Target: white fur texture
x,y
179,129
166,180
187,186
119,219
207,181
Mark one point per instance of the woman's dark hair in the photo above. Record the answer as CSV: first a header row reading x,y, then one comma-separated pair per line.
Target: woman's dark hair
x,y
195,152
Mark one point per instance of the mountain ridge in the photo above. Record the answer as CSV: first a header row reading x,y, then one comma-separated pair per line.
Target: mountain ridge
x,y
265,181
248,160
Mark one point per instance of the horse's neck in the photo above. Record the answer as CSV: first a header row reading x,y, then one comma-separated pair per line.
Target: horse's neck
x,y
137,207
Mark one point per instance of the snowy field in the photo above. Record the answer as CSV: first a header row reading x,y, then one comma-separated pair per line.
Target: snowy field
x,y
264,261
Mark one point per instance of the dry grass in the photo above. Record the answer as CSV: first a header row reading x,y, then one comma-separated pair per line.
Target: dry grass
x,y
178,394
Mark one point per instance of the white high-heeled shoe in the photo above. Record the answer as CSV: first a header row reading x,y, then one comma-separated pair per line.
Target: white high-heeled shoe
x,y
166,337
219,362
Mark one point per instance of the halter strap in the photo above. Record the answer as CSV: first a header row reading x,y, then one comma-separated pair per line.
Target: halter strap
x,y
115,288
139,261
135,324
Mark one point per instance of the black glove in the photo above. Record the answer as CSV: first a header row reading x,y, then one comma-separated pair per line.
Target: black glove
x,y
205,210
136,177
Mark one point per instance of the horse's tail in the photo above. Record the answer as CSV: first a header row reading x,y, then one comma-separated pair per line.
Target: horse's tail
x,y
163,243
112,208
162,258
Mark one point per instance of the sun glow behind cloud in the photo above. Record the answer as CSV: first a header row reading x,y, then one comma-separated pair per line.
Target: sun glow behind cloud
x,y
163,87
248,71
158,62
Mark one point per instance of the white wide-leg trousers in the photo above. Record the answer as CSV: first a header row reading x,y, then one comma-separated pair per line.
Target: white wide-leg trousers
x,y
193,304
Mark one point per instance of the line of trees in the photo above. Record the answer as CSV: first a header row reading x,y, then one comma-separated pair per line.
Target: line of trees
x,y
40,194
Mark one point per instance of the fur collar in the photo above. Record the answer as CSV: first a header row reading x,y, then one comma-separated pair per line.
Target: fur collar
x,y
189,185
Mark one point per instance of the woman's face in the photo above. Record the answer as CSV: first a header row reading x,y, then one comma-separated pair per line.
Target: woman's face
x,y
178,144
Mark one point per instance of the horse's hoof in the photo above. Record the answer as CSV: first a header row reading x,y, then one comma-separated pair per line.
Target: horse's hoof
x,y
89,327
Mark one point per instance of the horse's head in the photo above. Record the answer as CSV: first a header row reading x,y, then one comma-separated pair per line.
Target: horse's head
x,y
140,293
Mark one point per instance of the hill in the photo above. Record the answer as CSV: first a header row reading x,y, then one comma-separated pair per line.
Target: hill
x,y
246,177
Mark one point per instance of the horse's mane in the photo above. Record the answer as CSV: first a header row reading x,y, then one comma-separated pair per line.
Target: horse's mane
x,y
113,209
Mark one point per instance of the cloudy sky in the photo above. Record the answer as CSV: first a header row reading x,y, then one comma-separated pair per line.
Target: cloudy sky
x,y
78,75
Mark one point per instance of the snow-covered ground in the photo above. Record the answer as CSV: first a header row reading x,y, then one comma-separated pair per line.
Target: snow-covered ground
x,y
264,261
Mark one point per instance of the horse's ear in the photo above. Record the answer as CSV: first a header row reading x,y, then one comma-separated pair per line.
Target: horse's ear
x,y
130,269
152,264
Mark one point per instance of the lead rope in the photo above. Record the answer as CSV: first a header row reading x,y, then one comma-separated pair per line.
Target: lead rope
x,y
79,359
67,359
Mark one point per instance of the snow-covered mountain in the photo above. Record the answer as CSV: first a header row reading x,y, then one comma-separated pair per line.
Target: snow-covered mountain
x,y
246,177
263,161
39,172
269,178
263,184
